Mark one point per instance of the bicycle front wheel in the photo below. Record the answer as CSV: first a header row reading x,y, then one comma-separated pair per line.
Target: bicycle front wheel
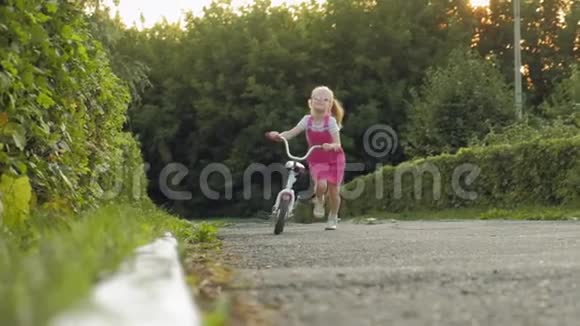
x,y
283,209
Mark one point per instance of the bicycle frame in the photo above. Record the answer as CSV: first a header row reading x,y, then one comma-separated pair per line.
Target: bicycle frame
x,y
295,168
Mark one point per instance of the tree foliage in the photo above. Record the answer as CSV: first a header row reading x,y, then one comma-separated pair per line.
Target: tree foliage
x,y
564,102
223,78
230,76
550,42
459,101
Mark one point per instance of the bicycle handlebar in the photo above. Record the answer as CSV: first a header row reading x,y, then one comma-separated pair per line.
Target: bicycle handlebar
x,y
295,157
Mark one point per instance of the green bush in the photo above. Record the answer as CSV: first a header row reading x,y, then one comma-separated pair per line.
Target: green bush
x,y
564,102
541,172
527,130
123,177
63,108
15,200
459,101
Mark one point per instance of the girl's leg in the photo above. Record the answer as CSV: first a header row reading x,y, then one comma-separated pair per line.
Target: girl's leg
x,y
320,189
334,198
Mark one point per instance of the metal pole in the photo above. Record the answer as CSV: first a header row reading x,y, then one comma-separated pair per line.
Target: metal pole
x,y
517,59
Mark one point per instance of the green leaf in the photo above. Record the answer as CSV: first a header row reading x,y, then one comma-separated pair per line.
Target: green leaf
x,y
51,6
38,34
4,158
4,80
19,139
17,133
65,179
28,78
20,4
42,18
9,67
21,166
66,32
45,100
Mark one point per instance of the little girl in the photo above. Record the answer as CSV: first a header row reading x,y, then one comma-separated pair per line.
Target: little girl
x,y
322,127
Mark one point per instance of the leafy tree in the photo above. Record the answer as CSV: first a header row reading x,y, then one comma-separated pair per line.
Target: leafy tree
x,y
564,103
218,85
459,101
227,76
550,42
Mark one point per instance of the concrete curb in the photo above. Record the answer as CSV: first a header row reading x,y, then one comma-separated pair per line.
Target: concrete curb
x,y
148,290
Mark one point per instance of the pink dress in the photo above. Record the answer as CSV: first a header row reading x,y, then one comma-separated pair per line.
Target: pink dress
x,y
324,165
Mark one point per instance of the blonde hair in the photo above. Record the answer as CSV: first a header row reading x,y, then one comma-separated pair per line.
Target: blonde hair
x,y
337,111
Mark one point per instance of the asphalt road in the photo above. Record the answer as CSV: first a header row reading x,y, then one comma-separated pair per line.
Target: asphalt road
x,y
411,273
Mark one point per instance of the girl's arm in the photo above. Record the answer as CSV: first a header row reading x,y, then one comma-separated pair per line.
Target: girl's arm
x,y
336,145
277,136
335,132
292,132
289,134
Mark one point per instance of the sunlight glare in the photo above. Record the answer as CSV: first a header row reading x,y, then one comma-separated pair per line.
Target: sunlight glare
x,y
479,3
154,10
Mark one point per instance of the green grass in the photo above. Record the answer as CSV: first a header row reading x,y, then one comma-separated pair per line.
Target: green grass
x,y
219,314
54,261
533,213
522,213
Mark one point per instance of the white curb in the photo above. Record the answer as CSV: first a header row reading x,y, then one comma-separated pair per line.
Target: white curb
x,y
148,290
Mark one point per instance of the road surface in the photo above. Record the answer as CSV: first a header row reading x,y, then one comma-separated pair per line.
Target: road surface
x,y
411,273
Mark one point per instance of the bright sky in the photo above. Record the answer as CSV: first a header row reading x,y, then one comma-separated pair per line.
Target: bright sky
x,y
154,10
479,3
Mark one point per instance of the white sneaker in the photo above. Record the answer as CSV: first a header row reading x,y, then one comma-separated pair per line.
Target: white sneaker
x,y
318,208
331,224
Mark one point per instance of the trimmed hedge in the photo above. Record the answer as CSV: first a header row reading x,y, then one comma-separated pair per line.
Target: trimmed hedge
x,y
542,172
62,109
62,115
536,173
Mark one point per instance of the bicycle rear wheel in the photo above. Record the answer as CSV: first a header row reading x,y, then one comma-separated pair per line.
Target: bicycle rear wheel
x,y
283,209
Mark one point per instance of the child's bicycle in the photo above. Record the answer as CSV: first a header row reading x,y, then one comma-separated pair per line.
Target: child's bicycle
x,y
286,199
